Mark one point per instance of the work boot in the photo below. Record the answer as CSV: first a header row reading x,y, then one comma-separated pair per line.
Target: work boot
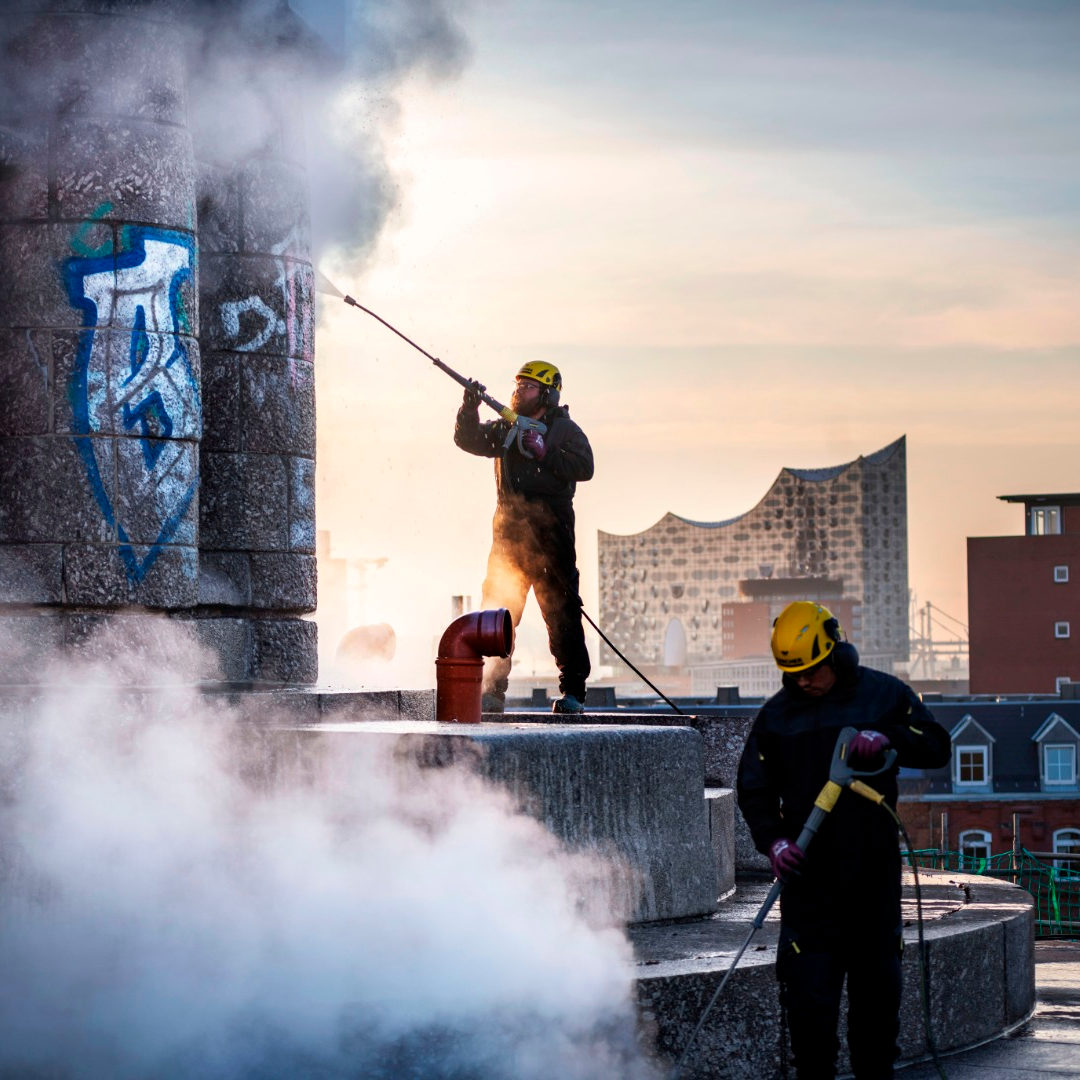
x,y
493,702
567,704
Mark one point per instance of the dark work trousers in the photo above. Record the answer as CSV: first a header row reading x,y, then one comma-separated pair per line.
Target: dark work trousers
x,y
533,547
810,983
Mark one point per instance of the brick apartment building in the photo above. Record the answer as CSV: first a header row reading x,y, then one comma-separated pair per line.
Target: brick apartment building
x,y
1014,762
1024,601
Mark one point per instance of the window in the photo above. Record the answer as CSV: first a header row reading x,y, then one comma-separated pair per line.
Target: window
x,y
1061,575
1059,764
974,844
1067,842
1061,629
971,765
1060,683
1044,520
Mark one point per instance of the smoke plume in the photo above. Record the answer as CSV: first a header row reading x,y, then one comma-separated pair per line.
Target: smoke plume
x,y
186,893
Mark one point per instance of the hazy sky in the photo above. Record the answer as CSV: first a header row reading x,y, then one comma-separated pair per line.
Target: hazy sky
x,y
751,235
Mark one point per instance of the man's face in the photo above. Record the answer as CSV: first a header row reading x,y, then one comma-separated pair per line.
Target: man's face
x,y
816,681
526,396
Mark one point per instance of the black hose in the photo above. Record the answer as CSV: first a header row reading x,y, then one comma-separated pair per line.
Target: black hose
x,y
607,640
924,965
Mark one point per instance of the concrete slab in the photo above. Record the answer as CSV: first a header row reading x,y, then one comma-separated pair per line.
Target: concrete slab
x,y
633,795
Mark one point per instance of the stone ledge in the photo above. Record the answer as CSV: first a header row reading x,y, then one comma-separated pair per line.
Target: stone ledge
x,y
985,941
632,795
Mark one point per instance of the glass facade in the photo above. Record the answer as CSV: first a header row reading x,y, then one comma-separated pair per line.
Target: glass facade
x,y
847,523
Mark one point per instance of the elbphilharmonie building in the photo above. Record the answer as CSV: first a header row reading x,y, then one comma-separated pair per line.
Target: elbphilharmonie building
x,y
702,595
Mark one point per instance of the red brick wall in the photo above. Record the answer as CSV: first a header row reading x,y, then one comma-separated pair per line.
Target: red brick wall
x,y
1038,821
1013,603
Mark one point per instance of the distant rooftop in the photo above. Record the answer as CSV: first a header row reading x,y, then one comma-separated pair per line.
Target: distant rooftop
x,y
1067,499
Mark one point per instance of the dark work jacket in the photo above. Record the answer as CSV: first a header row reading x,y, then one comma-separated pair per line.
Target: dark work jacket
x,y
569,459
851,877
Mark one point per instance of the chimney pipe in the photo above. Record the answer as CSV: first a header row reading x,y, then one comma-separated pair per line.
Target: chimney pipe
x,y
459,667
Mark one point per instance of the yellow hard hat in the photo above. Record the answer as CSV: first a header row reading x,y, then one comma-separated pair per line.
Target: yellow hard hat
x,y
803,634
545,374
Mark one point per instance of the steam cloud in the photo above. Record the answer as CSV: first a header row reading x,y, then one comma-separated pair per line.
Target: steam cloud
x,y
174,904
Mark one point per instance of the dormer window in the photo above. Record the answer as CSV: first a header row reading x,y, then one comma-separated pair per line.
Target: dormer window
x,y
1059,764
1057,741
972,765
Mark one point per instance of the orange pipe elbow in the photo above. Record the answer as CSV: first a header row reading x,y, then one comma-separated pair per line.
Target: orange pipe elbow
x,y
459,667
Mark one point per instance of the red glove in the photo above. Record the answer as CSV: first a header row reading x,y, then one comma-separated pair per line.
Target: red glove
x,y
532,442
867,749
786,858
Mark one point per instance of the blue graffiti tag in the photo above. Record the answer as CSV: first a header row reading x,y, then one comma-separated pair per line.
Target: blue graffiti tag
x,y
145,390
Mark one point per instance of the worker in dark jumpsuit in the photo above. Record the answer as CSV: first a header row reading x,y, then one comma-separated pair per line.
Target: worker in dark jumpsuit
x,y
840,908
533,544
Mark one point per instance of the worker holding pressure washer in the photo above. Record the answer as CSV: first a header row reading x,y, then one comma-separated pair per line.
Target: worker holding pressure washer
x,y
840,905
537,468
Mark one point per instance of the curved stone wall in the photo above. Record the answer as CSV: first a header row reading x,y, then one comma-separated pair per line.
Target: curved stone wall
x,y
979,934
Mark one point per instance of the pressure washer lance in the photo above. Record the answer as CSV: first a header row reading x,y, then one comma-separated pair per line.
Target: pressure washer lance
x,y
841,775
519,424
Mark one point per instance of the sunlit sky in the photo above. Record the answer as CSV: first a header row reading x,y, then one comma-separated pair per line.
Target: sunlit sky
x,y
752,236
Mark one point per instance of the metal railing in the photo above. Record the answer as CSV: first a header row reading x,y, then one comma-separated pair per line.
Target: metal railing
x,y
1052,878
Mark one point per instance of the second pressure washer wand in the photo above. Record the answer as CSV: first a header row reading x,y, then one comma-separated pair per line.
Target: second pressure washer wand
x,y
518,424
841,775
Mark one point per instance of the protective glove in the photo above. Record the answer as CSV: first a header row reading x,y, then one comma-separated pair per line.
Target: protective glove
x,y
786,858
472,397
532,442
867,749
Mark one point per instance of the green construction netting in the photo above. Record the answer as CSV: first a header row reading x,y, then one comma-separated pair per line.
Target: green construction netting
x,y
1056,888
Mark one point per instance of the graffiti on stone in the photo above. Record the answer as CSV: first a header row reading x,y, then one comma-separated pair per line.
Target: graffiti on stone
x,y
289,317
133,379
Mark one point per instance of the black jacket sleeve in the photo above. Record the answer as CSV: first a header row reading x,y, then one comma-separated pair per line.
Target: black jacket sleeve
x,y
484,440
757,792
571,458
919,740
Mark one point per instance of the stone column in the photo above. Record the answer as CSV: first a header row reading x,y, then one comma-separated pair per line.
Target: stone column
x,y
257,513
100,405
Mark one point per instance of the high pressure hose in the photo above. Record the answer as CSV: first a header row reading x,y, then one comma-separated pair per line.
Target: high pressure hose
x,y
607,641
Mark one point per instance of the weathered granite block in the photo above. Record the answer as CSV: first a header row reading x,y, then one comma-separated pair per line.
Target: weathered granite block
x,y
165,498
96,576
224,579
32,290
230,641
25,398
218,193
145,171
283,581
243,503
259,304
721,807
221,402
284,651
24,173
79,64
302,504
25,642
275,215
46,493
31,574
277,406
